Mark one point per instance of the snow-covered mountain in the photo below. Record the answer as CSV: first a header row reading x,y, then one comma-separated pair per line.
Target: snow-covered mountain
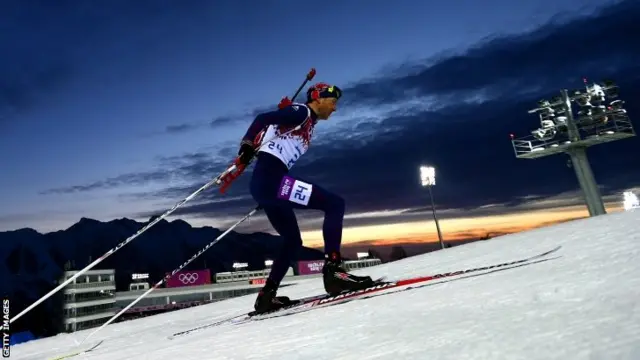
x,y
31,263
580,304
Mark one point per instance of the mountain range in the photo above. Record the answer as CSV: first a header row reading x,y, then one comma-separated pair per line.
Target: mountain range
x,y
31,263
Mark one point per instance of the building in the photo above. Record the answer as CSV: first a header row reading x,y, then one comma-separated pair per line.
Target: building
x,y
245,275
361,263
139,282
89,300
226,285
167,299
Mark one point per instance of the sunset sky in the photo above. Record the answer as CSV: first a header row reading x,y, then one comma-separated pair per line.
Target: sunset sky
x,y
473,226
121,109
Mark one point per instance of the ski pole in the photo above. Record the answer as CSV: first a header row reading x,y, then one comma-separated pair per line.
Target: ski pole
x,y
168,276
119,246
285,100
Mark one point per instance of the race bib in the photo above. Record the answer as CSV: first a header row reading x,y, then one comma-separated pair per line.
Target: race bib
x,y
295,191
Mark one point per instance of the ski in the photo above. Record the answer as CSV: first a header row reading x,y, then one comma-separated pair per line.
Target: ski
x,y
327,300
317,301
79,352
240,318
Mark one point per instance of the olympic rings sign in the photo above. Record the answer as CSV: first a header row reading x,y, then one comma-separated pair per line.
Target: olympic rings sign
x,y
188,278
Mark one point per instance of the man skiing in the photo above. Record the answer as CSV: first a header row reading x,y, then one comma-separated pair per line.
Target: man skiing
x,y
288,133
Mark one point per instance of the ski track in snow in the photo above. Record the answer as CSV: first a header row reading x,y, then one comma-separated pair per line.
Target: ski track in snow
x,y
584,303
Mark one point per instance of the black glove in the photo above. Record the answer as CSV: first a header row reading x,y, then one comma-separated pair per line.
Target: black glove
x,y
246,152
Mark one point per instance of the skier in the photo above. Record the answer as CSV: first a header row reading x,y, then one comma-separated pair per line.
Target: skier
x,y
278,193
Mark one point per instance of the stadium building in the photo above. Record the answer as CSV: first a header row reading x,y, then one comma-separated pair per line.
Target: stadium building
x,y
89,300
185,290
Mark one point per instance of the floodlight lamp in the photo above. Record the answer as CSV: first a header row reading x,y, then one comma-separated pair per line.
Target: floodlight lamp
x,y
616,105
268,262
585,112
543,104
547,124
561,120
597,93
427,175
584,101
546,117
558,106
547,111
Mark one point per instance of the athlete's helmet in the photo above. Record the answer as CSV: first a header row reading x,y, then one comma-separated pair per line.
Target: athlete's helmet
x,y
322,90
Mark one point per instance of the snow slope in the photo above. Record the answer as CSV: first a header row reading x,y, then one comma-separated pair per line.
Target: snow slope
x,y
581,304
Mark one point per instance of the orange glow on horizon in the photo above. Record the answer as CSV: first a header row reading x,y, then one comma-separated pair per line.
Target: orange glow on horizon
x,y
472,227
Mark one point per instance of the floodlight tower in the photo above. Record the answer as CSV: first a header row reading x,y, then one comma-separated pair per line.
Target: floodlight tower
x,y
428,179
561,132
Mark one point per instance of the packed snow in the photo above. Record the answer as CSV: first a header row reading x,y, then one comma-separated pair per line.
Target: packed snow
x,y
583,303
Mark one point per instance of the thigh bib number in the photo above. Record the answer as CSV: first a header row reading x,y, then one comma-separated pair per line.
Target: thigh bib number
x,y
295,191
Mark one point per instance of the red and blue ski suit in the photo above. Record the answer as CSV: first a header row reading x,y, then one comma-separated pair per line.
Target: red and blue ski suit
x,y
278,192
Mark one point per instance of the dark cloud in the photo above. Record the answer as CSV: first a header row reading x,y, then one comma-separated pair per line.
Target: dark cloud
x,y
215,123
546,58
468,141
181,128
223,121
191,167
373,161
140,178
219,121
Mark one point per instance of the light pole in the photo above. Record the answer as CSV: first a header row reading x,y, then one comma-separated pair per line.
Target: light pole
x,y
428,179
595,122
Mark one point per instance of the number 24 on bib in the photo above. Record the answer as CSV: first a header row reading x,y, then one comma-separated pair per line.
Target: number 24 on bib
x,y
295,191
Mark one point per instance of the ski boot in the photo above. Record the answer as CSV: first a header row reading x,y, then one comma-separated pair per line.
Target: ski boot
x,y
337,280
268,301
